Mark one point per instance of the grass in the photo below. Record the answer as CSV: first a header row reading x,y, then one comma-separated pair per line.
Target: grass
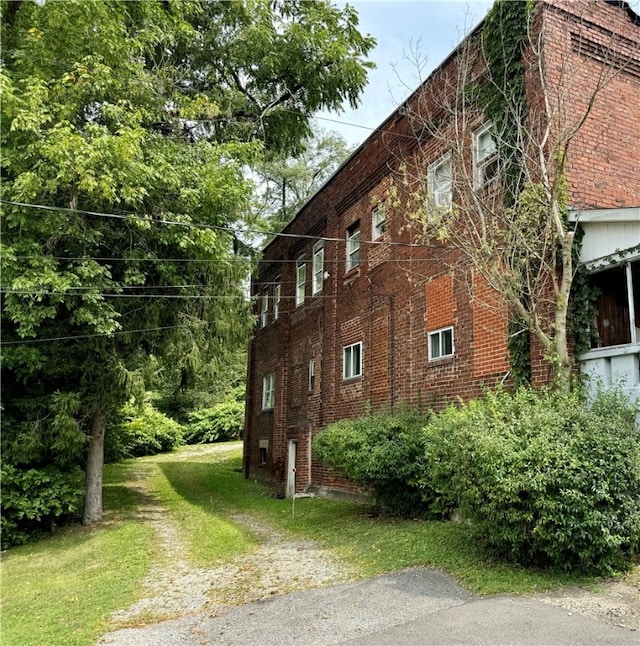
x,y
62,590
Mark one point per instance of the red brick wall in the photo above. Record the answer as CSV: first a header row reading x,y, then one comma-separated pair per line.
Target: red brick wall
x,y
401,291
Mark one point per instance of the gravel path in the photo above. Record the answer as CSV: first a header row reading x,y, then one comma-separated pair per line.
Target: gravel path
x,y
178,590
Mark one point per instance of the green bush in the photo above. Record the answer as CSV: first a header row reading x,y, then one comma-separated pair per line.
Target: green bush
x,y
543,478
34,500
224,421
141,432
383,452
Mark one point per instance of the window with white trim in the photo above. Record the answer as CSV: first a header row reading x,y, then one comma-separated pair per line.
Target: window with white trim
x,y
378,221
352,360
485,156
277,297
268,391
317,274
264,449
312,374
301,281
353,246
441,343
439,183
264,307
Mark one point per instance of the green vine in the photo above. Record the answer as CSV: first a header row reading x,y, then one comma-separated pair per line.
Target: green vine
x,y
503,97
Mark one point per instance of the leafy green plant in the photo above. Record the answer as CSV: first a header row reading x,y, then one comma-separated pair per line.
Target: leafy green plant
x,y
35,500
224,421
544,478
142,432
382,452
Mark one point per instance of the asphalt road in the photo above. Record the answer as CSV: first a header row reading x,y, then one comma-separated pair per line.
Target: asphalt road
x,y
415,607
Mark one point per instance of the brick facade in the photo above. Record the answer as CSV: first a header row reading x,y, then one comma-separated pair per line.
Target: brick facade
x,y
399,294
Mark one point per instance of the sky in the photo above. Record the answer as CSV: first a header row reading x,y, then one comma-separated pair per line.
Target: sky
x,y
431,27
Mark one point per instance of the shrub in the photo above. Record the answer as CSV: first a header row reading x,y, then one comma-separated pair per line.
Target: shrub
x,y
34,500
383,452
224,421
544,478
142,432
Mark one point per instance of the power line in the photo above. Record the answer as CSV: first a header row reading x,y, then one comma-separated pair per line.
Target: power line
x,y
196,225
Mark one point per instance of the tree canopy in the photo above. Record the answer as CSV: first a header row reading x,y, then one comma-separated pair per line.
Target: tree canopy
x,y
126,129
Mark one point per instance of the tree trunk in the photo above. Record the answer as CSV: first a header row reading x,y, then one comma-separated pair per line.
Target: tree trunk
x,y
95,462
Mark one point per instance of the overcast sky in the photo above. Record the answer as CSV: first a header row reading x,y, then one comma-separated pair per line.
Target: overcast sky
x,y
400,26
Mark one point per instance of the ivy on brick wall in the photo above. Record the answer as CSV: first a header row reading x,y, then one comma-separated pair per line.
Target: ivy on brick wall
x,y
504,37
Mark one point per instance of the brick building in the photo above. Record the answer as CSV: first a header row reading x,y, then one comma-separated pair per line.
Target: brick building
x,y
354,314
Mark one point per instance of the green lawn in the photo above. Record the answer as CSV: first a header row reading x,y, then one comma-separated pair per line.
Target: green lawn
x,y
61,590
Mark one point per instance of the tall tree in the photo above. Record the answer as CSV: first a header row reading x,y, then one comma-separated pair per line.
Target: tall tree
x,y
286,182
125,130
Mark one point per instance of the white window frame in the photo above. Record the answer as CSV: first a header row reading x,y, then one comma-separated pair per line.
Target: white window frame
x,y
277,297
352,368
439,335
312,374
301,281
440,192
268,391
481,158
378,221
317,271
264,307
353,246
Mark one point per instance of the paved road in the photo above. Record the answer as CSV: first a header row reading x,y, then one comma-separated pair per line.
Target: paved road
x,y
416,607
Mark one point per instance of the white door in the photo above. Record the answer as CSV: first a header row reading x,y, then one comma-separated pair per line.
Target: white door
x,y
291,469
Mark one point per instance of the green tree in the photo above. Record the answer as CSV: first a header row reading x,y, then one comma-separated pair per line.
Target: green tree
x,y
126,127
287,182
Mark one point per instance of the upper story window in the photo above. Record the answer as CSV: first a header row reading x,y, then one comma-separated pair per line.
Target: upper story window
x,y
264,307
277,297
353,246
317,276
441,343
439,180
312,374
268,391
352,360
485,156
301,281
378,221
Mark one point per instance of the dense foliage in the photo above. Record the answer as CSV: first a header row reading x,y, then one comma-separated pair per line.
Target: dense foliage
x,y
126,130
542,478
382,452
224,421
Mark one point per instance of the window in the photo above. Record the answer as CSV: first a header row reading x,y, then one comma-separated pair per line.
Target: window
x,y
264,307
312,374
352,361
439,182
378,221
353,246
485,156
268,391
441,343
317,276
301,281
618,304
277,296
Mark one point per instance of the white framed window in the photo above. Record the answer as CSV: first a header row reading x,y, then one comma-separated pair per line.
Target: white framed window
x,y
352,360
312,374
441,343
378,221
264,450
485,156
277,297
353,246
264,307
301,281
317,274
439,183
268,391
